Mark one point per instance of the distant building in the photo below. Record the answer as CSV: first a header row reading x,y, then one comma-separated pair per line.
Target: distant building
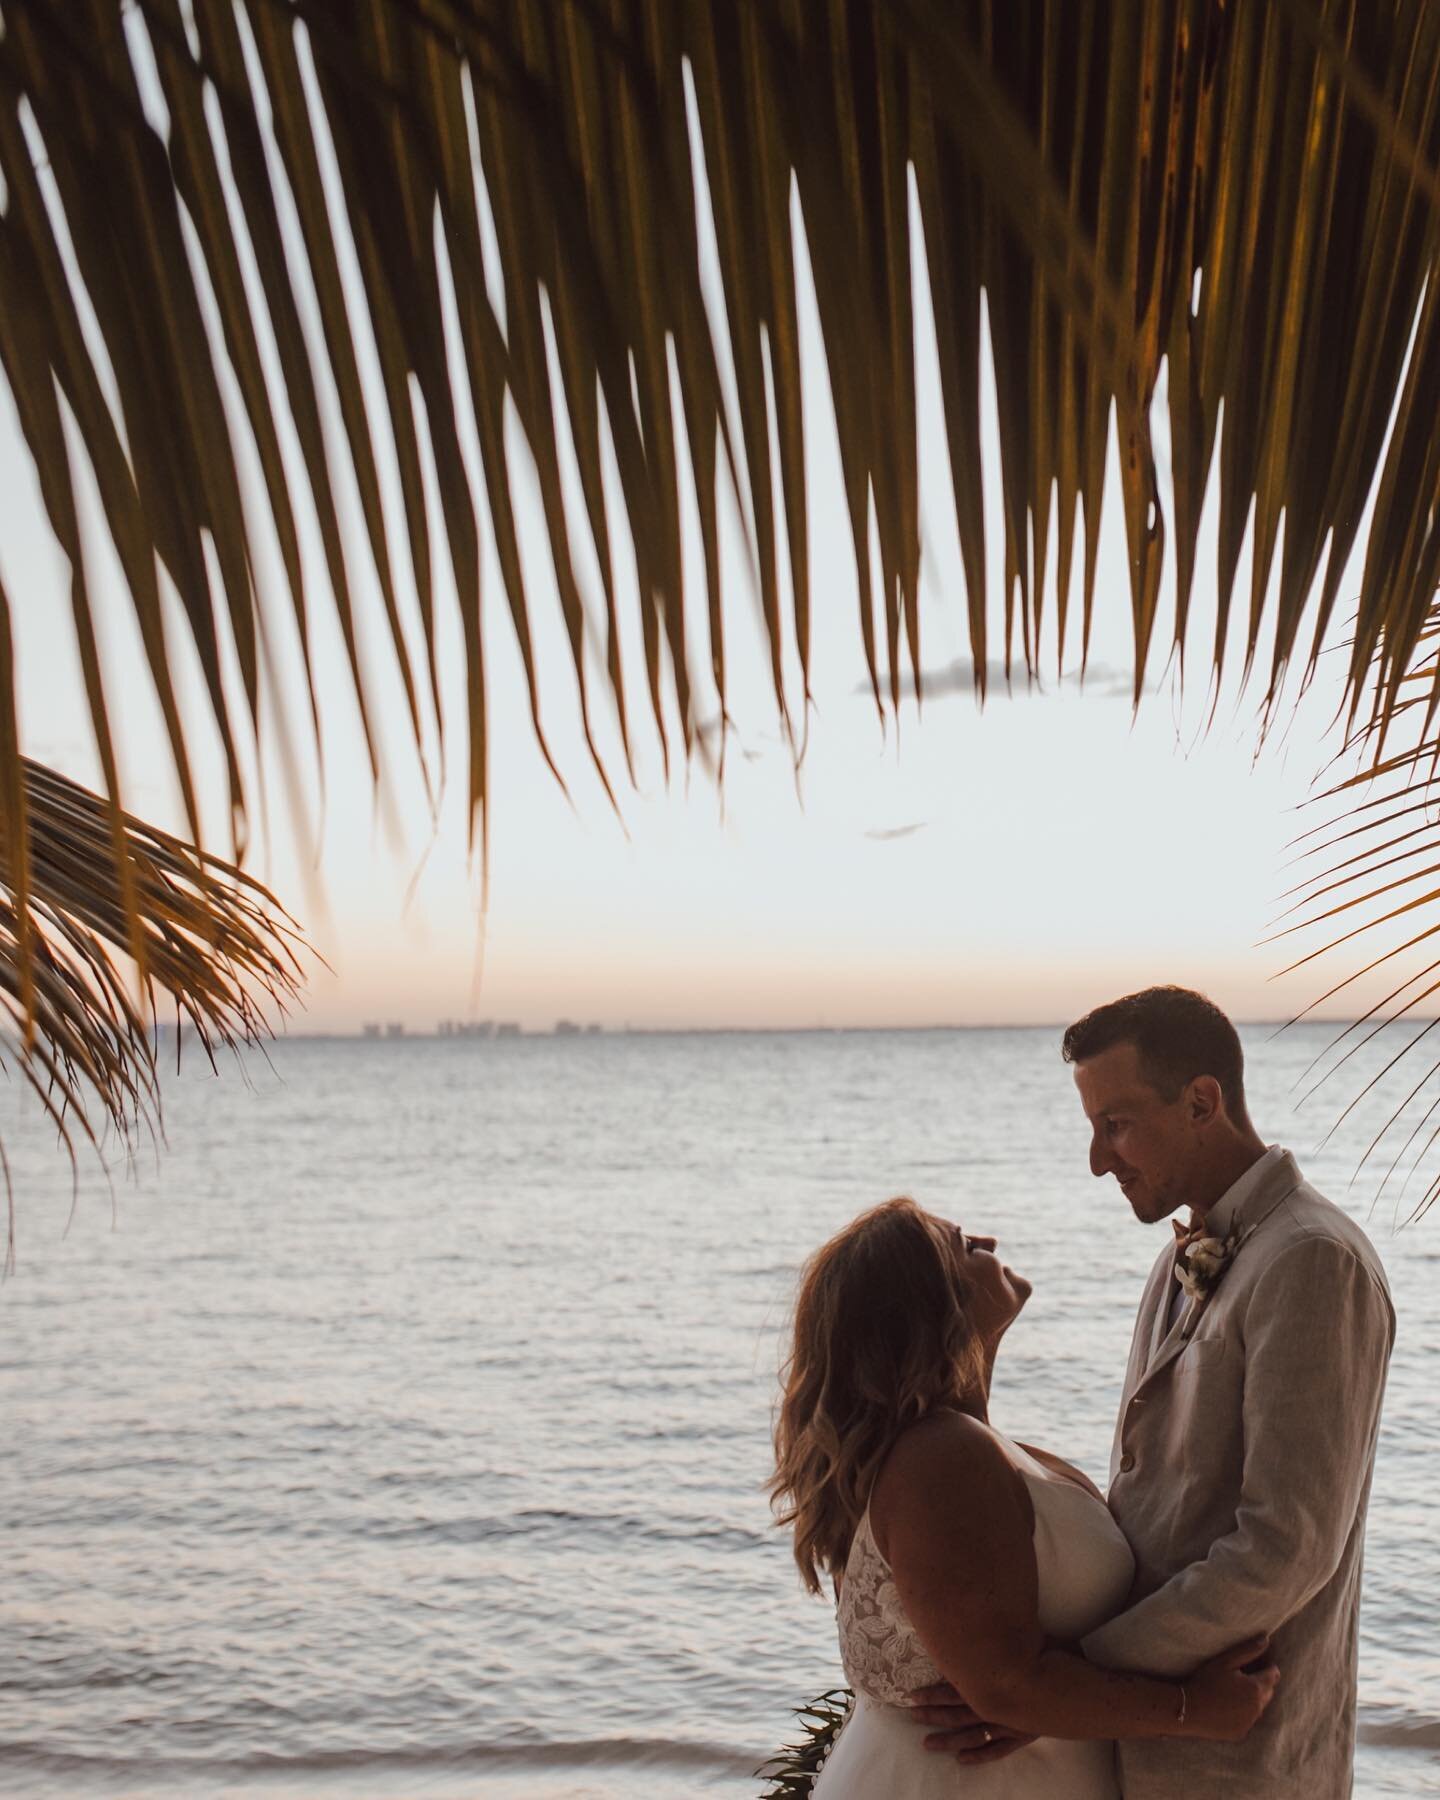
x,y
507,1029
372,1030
593,1030
477,1028
394,1030
566,1028
446,1028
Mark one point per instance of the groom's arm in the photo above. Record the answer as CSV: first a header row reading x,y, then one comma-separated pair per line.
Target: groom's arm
x,y
1318,1333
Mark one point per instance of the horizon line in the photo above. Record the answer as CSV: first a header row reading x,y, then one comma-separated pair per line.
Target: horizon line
x,y
421,1034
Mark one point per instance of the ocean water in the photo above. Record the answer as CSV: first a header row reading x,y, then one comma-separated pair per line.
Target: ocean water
x,y
404,1431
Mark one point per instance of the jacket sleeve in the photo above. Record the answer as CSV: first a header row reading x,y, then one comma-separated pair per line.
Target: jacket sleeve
x,y
1318,1334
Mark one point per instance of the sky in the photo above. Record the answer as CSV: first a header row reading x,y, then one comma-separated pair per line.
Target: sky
x,y
1015,864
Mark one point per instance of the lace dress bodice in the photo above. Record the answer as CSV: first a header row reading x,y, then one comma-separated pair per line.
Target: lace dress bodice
x,y
1084,1566
882,1656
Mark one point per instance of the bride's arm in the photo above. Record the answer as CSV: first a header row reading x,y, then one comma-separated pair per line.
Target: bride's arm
x,y
957,1532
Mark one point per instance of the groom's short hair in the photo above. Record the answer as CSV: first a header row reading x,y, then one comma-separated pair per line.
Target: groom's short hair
x,y
1177,1033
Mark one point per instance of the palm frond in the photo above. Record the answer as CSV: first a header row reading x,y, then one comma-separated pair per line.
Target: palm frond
x,y
1367,894
790,1774
72,1021
1242,193
1237,191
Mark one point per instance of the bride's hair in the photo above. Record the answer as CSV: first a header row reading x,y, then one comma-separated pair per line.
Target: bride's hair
x,y
882,1337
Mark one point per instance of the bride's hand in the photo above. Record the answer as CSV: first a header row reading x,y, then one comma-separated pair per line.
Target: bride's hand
x,y
960,1731
1225,1699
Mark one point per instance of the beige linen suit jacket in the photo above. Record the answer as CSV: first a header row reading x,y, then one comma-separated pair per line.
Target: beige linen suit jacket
x,y
1241,1475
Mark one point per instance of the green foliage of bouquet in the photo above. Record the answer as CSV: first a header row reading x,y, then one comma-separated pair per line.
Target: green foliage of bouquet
x,y
791,1772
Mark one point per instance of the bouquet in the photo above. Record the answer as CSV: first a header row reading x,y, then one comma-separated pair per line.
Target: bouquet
x,y
792,1771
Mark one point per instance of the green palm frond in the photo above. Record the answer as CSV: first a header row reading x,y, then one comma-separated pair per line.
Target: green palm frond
x,y
790,1773
1367,890
215,213
72,1021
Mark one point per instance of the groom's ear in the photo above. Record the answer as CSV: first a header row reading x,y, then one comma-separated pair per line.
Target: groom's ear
x,y
1204,1101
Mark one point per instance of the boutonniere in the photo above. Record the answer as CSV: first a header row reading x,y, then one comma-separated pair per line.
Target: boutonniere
x,y
1200,1262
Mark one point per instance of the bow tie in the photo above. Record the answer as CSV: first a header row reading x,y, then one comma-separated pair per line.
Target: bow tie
x,y
1186,1235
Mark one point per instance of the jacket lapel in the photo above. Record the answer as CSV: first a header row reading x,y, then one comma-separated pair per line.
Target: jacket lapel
x,y
1150,1323
1173,1342
1160,1324
1167,1341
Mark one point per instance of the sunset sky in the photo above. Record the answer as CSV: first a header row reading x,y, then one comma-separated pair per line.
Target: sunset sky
x,y
1015,865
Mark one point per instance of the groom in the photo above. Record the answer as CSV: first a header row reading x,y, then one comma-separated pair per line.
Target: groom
x,y
1246,1438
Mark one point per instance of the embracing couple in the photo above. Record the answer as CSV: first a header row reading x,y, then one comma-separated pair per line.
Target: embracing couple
x,y
1010,1632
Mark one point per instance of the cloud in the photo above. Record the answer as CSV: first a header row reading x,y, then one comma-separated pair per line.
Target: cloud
x,y
888,834
1101,682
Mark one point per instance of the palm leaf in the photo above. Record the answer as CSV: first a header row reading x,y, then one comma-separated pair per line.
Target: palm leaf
x,y
1370,872
72,1019
1246,194
790,1774
1112,223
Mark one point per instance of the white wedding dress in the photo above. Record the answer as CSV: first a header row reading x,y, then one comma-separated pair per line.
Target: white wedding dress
x,y
1085,1570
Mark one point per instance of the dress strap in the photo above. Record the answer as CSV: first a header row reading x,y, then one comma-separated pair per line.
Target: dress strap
x,y
1015,1454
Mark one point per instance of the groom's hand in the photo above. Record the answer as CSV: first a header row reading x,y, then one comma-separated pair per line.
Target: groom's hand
x,y
961,1732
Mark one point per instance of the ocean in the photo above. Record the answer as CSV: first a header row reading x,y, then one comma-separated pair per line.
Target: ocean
x,y
402,1429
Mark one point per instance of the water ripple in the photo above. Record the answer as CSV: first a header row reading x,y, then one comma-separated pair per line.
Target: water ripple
x,y
408,1434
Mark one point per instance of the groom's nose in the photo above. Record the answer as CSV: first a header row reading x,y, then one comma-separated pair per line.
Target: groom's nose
x,y
1100,1163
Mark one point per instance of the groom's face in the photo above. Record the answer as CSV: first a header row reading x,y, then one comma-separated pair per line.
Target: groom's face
x,y
1144,1140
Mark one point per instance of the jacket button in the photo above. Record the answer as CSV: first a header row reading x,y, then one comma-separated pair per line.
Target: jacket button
x,y
1127,1463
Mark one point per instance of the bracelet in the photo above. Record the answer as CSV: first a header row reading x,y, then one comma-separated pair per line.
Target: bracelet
x,y
1184,1704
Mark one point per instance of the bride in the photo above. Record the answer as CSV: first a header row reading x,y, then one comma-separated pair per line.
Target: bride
x,y
957,1554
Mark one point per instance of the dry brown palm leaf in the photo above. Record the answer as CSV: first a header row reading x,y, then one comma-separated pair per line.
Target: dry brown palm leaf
x,y
73,1019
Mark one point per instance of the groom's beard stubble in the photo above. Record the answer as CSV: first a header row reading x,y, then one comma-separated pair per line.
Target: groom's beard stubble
x,y
1152,1203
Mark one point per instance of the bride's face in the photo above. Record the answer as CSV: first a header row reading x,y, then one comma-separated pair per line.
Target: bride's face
x,y
994,1292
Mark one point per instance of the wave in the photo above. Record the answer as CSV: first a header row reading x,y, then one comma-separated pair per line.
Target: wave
x,y
537,1522
1416,1734
238,1521
1401,1734
621,1752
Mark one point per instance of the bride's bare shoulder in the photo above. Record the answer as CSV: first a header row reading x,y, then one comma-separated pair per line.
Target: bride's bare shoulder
x,y
945,1443
948,1454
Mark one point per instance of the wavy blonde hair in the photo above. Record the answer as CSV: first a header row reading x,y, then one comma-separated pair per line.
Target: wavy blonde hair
x,y
882,1336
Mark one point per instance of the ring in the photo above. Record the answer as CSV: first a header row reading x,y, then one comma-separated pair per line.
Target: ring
x,y
989,1734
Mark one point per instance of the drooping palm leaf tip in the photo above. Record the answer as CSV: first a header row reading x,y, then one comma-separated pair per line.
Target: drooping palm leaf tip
x,y
1365,873
215,213
73,1019
791,1773
1241,191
